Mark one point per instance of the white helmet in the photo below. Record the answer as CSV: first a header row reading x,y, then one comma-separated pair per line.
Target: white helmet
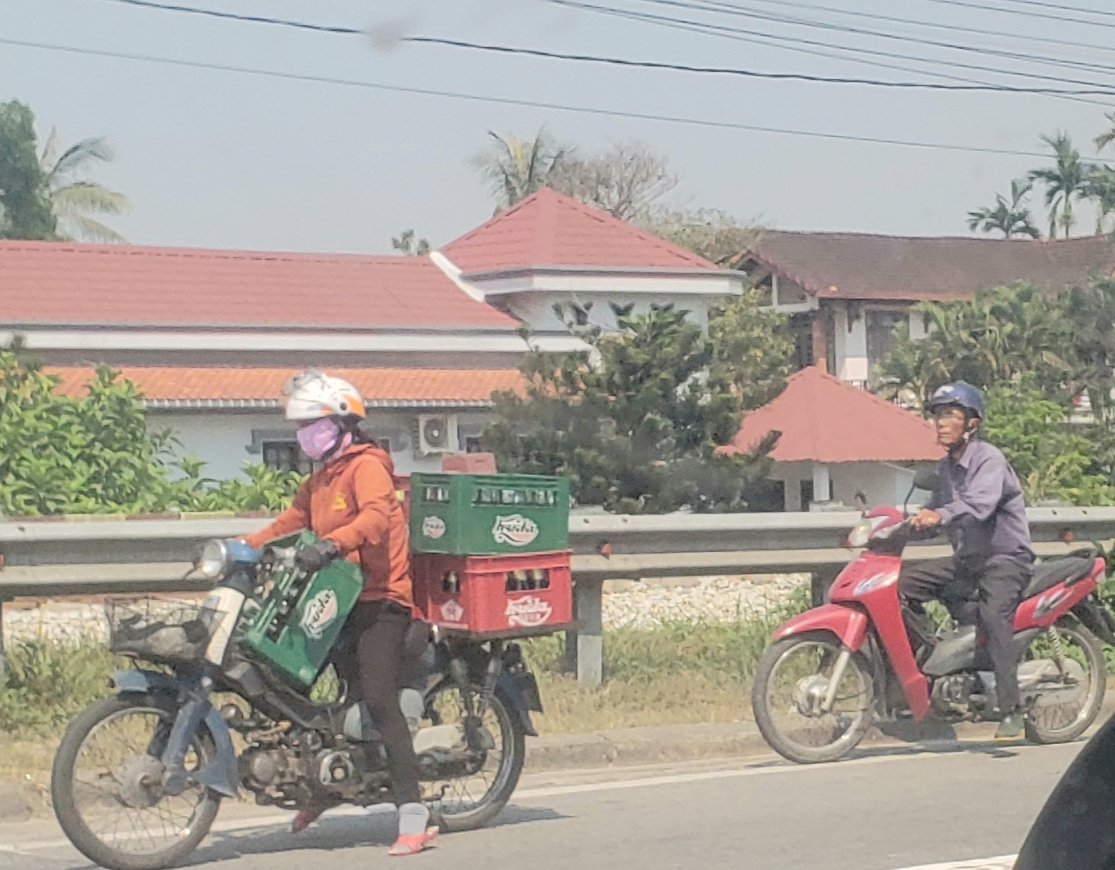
x,y
312,395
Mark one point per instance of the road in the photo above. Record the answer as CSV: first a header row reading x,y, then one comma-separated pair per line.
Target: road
x,y
888,808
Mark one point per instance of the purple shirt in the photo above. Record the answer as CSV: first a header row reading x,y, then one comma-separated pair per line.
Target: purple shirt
x,y
981,506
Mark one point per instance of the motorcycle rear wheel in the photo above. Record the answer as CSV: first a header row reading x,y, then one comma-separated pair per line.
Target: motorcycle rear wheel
x,y
806,661
102,772
1073,719
467,803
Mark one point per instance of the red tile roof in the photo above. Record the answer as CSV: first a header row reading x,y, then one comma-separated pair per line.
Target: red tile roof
x,y
550,229
860,266
824,419
60,282
216,385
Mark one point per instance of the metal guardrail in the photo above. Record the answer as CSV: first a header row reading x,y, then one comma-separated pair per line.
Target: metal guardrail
x,y
63,558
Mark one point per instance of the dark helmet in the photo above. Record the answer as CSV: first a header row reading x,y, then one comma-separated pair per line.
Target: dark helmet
x,y
962,395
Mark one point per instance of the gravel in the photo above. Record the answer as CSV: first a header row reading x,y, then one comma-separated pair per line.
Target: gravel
x,y
643,605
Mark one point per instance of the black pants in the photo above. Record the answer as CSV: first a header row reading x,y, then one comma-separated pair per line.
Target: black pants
x,y
1001,583
371,657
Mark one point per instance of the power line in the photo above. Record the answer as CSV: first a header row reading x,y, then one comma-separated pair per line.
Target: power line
x,y
1059,6
593,7
750,12
534,104
1025,13
936,25
1106,90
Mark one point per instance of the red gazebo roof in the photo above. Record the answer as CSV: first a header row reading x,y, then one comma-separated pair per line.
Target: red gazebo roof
x,y
824,419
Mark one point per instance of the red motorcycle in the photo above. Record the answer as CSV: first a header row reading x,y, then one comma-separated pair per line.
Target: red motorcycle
x,y
833,669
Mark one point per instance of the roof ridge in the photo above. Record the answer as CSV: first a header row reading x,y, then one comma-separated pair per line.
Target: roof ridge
x,y
187,252
848,234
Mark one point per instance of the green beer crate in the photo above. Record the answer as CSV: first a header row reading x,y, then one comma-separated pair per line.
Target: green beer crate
x,y
299,620
488,514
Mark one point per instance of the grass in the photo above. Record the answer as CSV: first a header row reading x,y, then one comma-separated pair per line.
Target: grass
x,y
677,673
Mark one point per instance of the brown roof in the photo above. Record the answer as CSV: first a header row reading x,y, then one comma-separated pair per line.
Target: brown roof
x,y
824,419
861,266
227,387
61,282
550,229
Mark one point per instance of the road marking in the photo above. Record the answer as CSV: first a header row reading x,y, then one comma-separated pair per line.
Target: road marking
x,y
1003,862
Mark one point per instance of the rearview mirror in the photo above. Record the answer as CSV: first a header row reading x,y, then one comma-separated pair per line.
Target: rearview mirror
x,y
927,479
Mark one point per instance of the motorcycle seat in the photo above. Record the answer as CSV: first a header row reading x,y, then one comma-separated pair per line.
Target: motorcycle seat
x,y
1067,569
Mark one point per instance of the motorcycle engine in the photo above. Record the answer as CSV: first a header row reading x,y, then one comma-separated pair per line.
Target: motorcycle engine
x,y
951,694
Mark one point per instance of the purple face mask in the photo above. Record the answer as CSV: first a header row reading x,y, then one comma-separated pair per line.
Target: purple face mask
x,y
318,438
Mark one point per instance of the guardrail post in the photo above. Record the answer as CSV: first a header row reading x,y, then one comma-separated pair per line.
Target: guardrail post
x,y
3,663
820,581
588,595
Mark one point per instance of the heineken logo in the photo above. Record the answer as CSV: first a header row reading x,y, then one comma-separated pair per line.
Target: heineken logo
x,y
319,613
515,530
433,527
528,611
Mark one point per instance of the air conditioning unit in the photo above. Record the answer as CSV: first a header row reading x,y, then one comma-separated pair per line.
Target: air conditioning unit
x,y
437,433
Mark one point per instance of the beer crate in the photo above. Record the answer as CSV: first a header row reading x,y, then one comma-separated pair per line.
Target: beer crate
x,y
488,514
488,597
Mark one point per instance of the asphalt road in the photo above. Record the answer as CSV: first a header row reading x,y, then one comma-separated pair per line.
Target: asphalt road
x,y
885,809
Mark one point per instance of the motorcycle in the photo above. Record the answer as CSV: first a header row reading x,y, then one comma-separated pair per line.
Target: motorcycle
x,y
139,776
835,668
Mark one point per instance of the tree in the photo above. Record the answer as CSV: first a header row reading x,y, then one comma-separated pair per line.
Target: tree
x,y
624,181
1108,136
406,243
635,422
1011,218
709,233
1100,188
74,198
515,168
1064,182
25,208
996,336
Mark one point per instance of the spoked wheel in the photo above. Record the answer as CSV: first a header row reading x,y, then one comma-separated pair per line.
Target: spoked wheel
x,y
106,786
1063,677
789,697
473,794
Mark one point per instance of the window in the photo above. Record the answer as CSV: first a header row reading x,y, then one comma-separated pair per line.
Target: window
x,y
880,333
801,331
472,445
285,456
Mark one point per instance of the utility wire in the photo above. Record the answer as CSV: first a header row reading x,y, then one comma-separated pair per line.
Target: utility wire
x,y
1025,13
666,19
534,104
1105,90
751,12
936,25
1060,6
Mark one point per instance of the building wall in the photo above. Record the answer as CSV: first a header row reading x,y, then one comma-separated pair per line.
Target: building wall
x,y
225,440
536,309
881,483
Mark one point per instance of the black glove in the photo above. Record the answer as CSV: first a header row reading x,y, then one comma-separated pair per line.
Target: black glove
x,y
316,556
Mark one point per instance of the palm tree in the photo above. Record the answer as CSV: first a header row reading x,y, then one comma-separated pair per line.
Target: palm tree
x,y
1064,182
515,168
1100,188
1105,139
73,198
1009,218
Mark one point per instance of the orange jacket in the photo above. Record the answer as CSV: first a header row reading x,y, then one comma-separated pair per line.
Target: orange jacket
x,y
352,502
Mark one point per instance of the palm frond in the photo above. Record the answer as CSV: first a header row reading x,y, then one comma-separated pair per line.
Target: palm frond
x,y
87,196
79,154
80,228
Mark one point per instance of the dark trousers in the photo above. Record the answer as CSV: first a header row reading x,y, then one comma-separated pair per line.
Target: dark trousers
x,y
1000,583
371,657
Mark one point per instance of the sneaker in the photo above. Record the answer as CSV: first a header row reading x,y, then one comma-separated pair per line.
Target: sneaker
x,y
1010,726
412,844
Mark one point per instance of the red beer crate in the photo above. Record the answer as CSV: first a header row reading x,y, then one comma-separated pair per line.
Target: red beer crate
x,y
517,595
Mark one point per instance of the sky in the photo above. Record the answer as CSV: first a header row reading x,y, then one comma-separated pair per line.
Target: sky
x,y
220,159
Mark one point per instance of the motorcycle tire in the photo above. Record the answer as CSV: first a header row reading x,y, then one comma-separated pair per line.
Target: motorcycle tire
x,y
1097,671
764,718
513,737
63,786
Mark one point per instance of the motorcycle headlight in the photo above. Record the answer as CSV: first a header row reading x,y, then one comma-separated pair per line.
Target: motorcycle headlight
x,y
860,535
213,561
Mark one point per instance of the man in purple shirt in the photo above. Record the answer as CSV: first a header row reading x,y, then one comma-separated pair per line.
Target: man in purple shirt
x,y
980,508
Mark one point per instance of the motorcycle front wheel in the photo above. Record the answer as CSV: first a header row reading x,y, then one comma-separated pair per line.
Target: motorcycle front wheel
x,y
474,797
106,786
788,694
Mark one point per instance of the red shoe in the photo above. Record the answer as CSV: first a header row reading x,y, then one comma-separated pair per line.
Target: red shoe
x,y
306,817
412,844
